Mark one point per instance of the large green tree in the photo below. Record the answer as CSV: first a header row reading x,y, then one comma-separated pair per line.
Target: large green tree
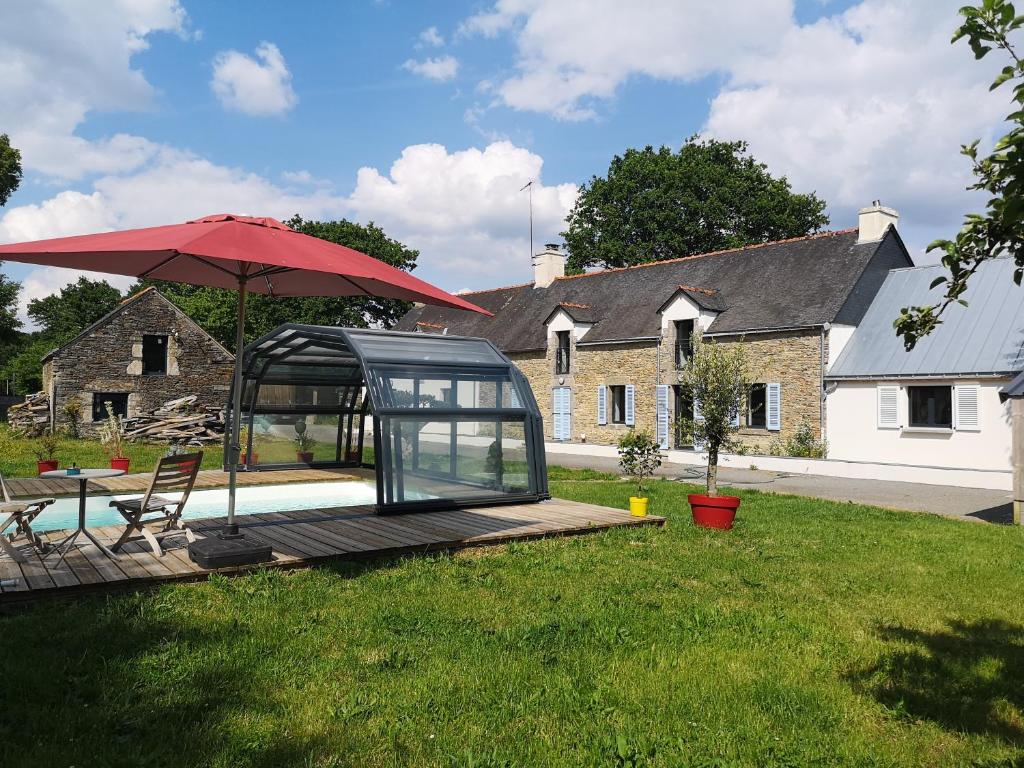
x,y
10,178
10,169
659,204
999,231
62,315
214,308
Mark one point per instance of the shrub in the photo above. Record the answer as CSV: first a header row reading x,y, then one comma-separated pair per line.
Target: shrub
x,y
112,433
803,444
72,410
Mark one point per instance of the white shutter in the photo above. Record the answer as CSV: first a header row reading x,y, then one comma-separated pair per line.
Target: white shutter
x,y
773,420
602,404
735,420
697,416
967,407
888,406
630,405
561,413
661,401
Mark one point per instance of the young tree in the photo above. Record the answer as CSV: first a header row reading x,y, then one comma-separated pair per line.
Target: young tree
x,y
659,204
1000,174
718,379
62,315
214,308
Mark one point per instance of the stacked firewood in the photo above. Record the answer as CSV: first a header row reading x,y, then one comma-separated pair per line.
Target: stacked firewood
x,y
177,421
32,417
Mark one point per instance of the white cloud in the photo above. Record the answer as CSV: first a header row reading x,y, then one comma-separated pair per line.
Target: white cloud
x,y
430,37
573,52
464,210
59,61
254,87
438,68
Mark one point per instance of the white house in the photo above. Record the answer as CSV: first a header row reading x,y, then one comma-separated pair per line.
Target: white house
x,y
937,405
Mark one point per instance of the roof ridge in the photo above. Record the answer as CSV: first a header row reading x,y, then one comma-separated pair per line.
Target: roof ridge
x,y
751,247
493,290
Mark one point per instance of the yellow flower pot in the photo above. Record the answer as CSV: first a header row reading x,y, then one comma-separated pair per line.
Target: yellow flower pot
x,y
638,506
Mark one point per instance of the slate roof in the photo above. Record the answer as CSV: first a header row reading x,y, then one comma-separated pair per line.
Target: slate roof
x,y
985,338
798,283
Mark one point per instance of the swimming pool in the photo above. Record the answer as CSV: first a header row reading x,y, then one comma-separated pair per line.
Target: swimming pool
x,y
251,499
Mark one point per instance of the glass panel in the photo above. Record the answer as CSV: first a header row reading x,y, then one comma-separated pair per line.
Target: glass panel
x,y
457,459
931,406
459,389
303,394
279,438
424,349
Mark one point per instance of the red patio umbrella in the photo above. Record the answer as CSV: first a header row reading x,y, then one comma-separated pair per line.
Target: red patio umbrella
x,y
247,253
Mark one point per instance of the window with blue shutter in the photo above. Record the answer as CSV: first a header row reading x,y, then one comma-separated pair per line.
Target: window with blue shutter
x,y
561,413
602,404
630,405
661,408
774,406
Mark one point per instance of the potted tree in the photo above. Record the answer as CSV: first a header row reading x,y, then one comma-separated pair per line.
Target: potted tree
x,y
304,442
45,451
718,380
112,438
639,457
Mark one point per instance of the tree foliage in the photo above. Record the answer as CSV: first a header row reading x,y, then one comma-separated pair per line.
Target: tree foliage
x,y
718,378
78,305
214,309
10,169
659,204
1000,174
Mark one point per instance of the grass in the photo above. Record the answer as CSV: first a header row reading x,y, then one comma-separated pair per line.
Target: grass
x,y
18,460
814,633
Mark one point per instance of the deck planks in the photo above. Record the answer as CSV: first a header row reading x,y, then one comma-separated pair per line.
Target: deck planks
x,y
302,538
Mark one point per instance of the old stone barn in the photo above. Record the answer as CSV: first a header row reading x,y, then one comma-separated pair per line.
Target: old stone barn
x,y
144,353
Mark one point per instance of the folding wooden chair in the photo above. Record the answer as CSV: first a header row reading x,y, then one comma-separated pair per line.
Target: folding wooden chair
x,y
143,513
20,514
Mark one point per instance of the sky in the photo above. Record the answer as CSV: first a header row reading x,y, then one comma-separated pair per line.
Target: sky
x,y
428,118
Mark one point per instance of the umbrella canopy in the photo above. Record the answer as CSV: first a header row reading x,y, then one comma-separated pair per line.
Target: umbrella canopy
x,y
222,249
246,253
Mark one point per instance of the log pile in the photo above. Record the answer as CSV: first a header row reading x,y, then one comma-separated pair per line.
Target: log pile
x,y
177,421
32,417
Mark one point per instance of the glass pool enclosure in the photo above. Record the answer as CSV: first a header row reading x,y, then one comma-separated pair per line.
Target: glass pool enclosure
x,y
445,421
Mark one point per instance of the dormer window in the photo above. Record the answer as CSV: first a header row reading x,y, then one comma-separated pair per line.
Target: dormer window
x,y
684,330
562,352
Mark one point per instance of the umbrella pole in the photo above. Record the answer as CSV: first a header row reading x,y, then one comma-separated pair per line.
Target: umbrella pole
x,y
234,449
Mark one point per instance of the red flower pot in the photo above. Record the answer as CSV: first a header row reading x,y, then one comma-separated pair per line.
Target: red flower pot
x,y
305,457
248,460
46,466
713,511
120,462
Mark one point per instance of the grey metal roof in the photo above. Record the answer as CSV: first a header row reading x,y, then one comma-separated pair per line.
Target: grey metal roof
x,y
798,283
984,338
1014,389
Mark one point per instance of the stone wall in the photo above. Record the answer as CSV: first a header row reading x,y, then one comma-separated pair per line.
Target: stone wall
x,y
109,359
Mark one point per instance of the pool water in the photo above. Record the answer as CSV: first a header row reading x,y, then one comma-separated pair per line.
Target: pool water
x,y
250,499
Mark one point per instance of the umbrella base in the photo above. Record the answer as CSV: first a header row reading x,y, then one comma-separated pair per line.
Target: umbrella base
x,y
216,552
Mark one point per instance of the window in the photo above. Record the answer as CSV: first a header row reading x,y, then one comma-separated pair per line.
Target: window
x,y
118,403
684,330
757,406
930,407
618,395
562,353
154,355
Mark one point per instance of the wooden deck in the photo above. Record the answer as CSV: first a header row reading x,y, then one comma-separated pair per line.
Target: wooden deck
x,y
36,487
300,539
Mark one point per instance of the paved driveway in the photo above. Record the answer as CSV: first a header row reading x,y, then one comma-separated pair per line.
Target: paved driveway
x,y
965,503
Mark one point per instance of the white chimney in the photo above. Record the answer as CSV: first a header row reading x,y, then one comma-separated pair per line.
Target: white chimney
x,y
548,266
873,221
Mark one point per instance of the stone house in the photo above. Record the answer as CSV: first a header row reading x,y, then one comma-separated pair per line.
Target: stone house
x,y
142,354
603,350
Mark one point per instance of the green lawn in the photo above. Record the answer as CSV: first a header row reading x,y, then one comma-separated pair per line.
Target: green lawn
x,y
814,633
17,459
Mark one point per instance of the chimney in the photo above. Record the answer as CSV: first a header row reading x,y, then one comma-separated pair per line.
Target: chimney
x,y
873,221
548,266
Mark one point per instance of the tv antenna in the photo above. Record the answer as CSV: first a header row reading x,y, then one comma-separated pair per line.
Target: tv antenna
x,y
529,185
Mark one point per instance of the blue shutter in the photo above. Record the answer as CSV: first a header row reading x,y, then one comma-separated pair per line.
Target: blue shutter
x,y
630,405
661,401
735,420
697,444
513,396
561,413
602,404
774,407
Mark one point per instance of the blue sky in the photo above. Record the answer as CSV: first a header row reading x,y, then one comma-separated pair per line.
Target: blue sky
x,y
428,117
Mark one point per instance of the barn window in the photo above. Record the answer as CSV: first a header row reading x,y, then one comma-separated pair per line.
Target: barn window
x,y
154,355
118,404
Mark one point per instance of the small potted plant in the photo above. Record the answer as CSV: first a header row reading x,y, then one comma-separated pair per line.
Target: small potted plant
x,y
246,458
639,456
45,451
718,380
112,438
304,442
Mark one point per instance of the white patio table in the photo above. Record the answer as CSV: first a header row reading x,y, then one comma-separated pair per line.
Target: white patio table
x,y
83,476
